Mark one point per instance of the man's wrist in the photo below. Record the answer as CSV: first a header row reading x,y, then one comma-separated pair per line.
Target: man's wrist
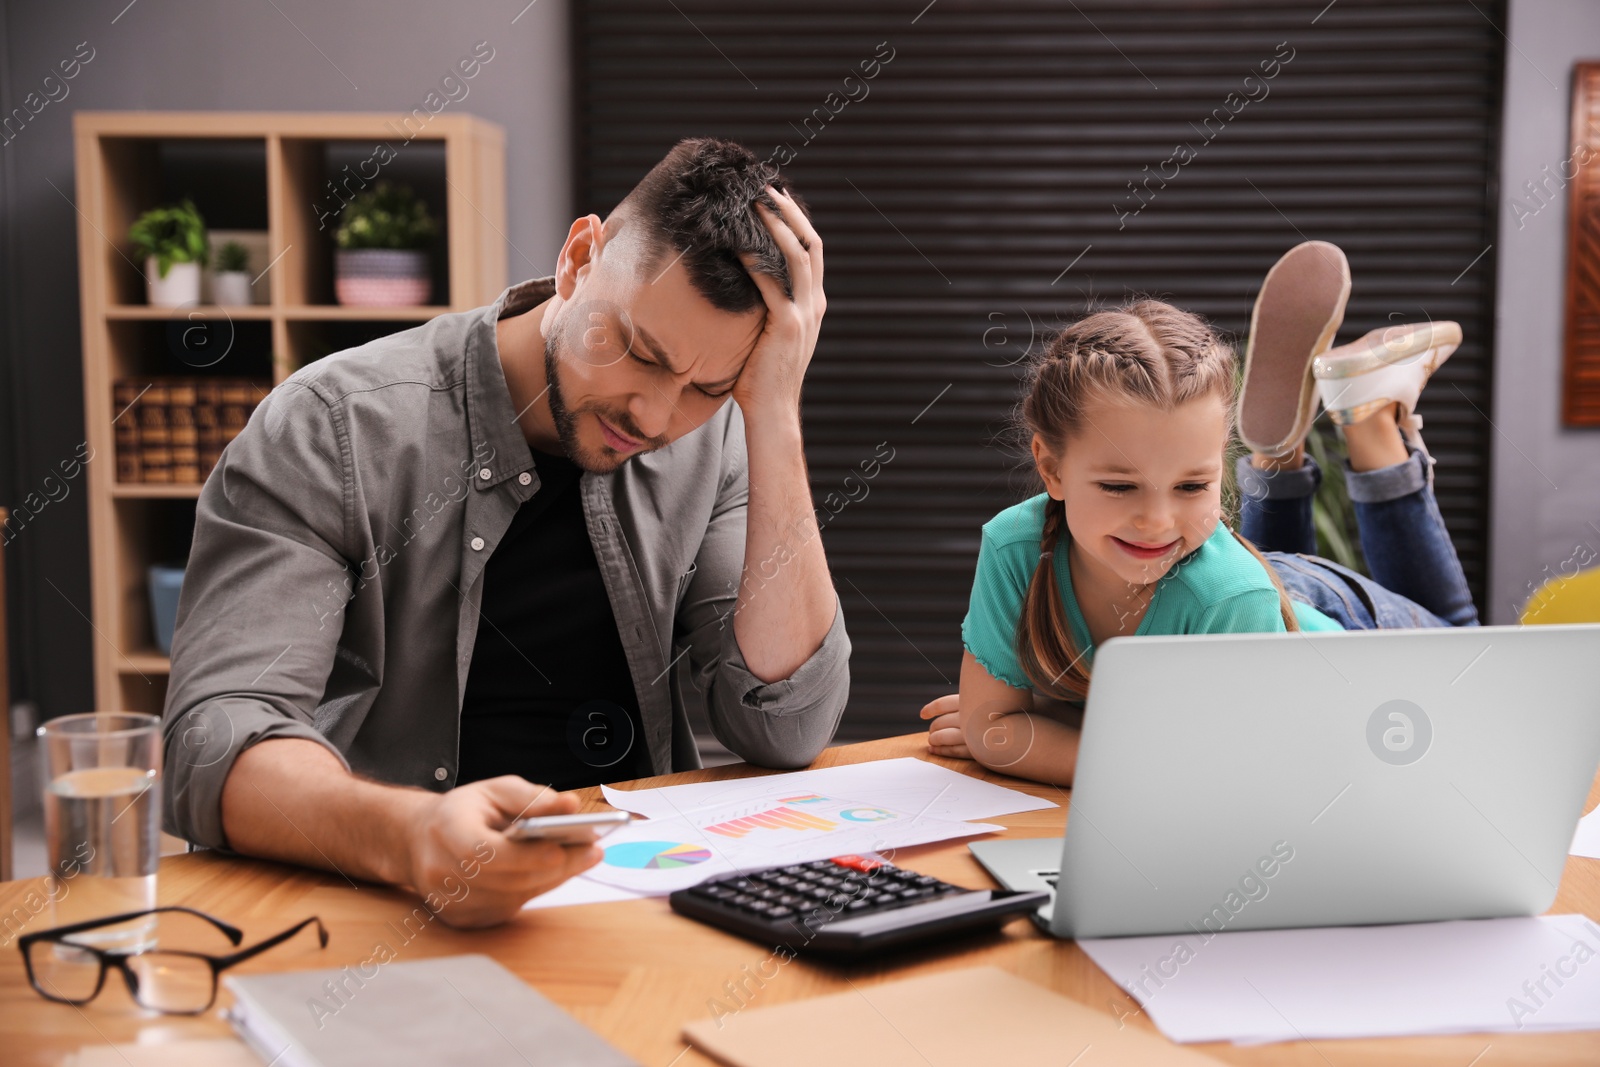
x,y
402,811
773,427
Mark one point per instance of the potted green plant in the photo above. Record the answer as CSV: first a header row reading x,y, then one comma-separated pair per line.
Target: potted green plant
x,y
172,240
231,284
382,259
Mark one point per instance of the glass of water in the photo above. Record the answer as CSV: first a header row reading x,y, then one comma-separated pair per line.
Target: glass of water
x,y
102,816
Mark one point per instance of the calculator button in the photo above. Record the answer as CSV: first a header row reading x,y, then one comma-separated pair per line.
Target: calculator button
x,y
927,879
778,911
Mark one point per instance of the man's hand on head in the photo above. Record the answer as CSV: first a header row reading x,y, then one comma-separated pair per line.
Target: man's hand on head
x,y
773,374
459,852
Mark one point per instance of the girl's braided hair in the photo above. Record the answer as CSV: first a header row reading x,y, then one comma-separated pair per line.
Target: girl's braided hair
x,y
1145,351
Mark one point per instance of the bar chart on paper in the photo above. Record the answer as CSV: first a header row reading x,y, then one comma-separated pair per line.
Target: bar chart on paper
x,y
660,855
745,823
792,814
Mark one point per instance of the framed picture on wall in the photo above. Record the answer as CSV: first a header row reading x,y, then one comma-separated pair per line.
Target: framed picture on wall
x,y
1580,390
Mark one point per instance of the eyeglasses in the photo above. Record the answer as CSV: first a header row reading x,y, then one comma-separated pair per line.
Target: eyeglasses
x,y
174,981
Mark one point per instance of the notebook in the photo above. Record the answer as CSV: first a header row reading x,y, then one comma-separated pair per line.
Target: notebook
x,y
949,1019
453,1011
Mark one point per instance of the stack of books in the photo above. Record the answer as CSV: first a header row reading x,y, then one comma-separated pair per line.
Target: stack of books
x,y
173,430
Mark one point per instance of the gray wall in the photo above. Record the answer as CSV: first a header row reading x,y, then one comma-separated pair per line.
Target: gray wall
x,y
1546,500
204,55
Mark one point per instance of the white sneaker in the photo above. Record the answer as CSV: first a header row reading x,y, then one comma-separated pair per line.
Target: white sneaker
x,y
1387,366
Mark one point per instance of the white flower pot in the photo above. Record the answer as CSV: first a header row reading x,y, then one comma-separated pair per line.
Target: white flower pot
x,y
231,288
181,286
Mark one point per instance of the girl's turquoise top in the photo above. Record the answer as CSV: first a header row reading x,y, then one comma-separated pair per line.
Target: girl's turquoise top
x,y
1219,588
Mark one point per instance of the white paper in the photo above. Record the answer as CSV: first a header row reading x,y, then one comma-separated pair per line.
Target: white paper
x,y
904,784
1586,842
776,827
581,890
1471,976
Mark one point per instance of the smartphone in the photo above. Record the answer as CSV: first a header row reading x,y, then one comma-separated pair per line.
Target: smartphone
x,y
580,829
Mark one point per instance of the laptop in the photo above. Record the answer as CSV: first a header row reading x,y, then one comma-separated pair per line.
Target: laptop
x,y
1256,781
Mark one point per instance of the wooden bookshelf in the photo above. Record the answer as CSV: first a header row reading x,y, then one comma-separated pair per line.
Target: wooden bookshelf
x,y
258,171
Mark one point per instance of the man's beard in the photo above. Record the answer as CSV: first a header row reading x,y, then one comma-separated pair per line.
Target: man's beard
x,y
566,421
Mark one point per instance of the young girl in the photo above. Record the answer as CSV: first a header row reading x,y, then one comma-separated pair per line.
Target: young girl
x,y
1129,414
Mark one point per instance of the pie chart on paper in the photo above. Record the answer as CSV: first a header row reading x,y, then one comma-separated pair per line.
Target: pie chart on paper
x,y
655,855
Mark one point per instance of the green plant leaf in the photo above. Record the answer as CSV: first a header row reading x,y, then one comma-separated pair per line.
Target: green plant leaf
x,y
1338,536
172,234
233,256
388,215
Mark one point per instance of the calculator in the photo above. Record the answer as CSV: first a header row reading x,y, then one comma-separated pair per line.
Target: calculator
x,y
848,906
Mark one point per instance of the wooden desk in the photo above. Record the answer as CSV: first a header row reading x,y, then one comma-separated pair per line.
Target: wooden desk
x,y
635,972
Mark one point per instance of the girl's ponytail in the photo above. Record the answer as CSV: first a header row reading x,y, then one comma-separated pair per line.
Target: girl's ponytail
x,y
1290,622
1045,648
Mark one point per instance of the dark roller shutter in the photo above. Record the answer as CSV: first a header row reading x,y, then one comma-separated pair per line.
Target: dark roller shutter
x,y
979,189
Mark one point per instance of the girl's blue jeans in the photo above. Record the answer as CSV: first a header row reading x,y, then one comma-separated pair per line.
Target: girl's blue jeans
x,y
1416,580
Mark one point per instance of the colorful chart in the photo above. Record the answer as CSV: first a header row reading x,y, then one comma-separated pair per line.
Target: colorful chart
x,y
867,814
655,855
775,819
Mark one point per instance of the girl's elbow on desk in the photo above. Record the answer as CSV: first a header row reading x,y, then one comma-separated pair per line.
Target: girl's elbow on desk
x,y
1007,732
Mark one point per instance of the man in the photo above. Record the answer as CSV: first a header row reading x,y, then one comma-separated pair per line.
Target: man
x,y
439,573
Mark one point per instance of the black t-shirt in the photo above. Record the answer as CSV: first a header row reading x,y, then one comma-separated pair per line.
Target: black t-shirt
x,y
549,696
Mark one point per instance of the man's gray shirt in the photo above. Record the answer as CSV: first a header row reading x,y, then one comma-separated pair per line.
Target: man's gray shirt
x,y
333,589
